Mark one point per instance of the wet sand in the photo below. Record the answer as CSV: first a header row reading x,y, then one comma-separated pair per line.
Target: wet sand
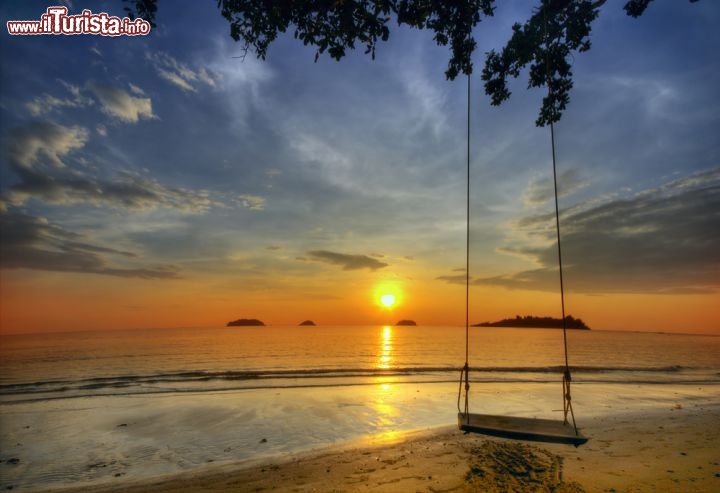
x,y
668,450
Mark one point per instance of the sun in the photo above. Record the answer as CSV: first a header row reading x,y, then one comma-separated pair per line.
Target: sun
x,y
387,300
387,295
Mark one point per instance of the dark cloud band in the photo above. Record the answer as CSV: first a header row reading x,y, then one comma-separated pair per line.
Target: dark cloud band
x,y
663,240
346,261
34,243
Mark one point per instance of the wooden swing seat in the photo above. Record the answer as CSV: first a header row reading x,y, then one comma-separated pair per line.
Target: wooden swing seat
x,y
537,430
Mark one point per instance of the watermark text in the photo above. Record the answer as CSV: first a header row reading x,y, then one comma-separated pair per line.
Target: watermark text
x,y
57,21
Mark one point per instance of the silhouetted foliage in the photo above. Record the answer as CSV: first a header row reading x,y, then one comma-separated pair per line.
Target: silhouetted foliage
x,y
530,321
246,322
144,9
544,43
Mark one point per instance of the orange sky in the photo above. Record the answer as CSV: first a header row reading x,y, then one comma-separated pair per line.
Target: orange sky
x,y
64,302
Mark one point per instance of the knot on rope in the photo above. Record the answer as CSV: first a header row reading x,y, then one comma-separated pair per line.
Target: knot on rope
x,y
567,399
567,378
464,375
566,386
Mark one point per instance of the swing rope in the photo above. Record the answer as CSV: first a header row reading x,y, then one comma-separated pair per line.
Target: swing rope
x,y
567,377
465,373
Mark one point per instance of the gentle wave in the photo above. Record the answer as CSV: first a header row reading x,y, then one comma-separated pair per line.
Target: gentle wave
x,y
91,386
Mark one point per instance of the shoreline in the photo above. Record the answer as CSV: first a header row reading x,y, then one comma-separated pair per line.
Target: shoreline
x,y
668,449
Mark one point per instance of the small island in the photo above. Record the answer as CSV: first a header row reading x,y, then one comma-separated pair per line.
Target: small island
x,y
307,323
533,322
406,322
246,322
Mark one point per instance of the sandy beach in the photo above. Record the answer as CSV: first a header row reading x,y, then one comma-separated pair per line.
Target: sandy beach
x,y
665,450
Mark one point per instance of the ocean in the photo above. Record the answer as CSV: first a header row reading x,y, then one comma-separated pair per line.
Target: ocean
x,y
113,406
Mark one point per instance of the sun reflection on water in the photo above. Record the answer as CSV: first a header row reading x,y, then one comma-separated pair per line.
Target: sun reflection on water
x,y
385,355
383,403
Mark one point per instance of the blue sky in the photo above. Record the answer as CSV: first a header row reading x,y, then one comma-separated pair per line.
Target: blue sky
x,y
165,160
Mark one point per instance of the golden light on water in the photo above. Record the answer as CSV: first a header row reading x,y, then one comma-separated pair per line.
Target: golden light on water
x,y
385,354
384,394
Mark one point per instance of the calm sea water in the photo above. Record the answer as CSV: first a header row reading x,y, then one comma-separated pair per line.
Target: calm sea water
x,y
58,366
92,407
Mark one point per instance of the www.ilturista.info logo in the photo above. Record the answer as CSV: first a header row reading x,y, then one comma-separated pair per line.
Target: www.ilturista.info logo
x,y
57,21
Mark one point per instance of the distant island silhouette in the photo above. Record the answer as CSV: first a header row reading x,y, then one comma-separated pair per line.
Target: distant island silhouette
x,y
406,322
308,323
245,322
530,321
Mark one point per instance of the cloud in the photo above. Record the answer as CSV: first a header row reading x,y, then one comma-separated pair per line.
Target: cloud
x,y
120,104
47,103
452,279
334,162
127,191
44,143
346,261
136,89
181,75
36,153
541,190
658,96
34,243
115,101
175,79
425,93
428,104
661,240
252,202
